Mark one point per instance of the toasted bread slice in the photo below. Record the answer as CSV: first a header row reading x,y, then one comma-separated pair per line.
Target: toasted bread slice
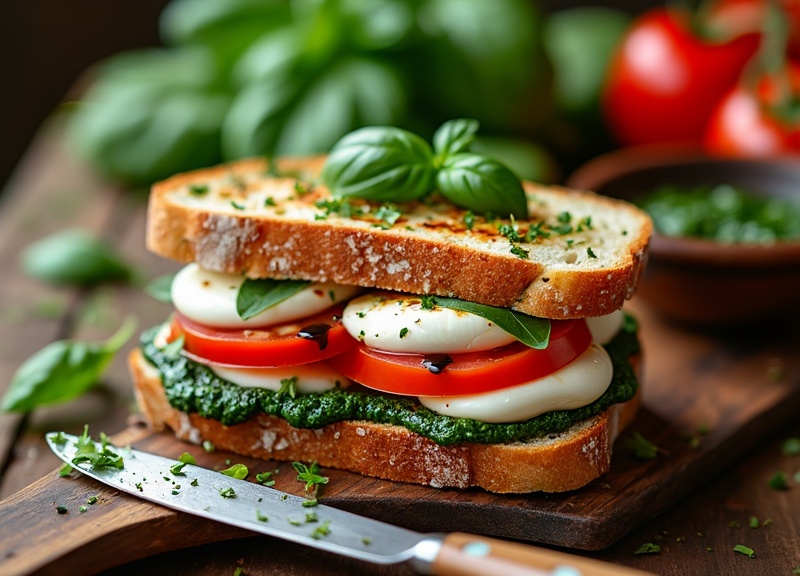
x,y
556,463
239,219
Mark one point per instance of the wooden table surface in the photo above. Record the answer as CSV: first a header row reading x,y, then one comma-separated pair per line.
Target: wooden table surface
x,y
52,190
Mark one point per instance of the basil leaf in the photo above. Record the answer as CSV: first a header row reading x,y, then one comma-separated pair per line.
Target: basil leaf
x,y
380,163
483,185
255,296
453,137
62,370
530,330
74,257
161,288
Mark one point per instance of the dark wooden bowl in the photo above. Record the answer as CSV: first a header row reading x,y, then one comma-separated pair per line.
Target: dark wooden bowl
x,y
703,281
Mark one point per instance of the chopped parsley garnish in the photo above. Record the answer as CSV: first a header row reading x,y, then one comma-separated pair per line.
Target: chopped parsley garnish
x,y
427,302
61,509
238,471
310,475
59,439
754,522
641,447
519,252
340,206
64,471
82,509
403,332
535,232
310,503
198,189
288,386
779,481
237,206
269,201
261,517
590,252
228,493
177,469
469,220
510,231
92,500
87,452
265,479
311,516
302,188
746,550
648,548
187,458
388,213
194,482
366,540
322,530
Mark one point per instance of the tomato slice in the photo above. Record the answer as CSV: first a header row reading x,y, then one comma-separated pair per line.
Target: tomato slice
x,y
272,346
469,373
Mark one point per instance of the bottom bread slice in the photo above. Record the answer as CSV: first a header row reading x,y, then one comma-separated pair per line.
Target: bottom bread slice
x,y
555,463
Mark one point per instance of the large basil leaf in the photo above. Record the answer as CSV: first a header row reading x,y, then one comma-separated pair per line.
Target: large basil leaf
x,y
255,296
62,370
454,136
380,163
530,330
74,257
483,185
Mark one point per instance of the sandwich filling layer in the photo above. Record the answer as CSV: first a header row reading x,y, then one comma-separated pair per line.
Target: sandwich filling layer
x,y
192,387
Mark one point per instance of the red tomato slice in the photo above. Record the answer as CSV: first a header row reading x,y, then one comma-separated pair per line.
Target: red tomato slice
x,y
272,346
467,373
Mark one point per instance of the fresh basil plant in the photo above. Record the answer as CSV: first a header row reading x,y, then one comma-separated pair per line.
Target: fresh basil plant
x,y
388,164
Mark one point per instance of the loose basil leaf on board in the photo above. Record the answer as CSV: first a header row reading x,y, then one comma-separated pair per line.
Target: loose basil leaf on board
x,y
380,163
483,185
255,296
160,288
74,257
453,137
62,370
530,330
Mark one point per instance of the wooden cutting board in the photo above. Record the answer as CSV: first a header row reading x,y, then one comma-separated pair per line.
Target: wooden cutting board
x,y
709,398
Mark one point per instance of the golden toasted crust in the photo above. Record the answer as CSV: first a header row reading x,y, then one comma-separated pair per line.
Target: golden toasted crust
x,y
558,463
247,222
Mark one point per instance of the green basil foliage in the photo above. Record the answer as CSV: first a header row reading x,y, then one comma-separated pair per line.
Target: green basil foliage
x,y
242,78
74,257
255,296
390,164
62,370
530,330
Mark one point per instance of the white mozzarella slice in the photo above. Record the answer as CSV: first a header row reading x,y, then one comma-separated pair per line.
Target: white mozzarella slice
x,y
579,383
604,328
311,378
398,323
209,298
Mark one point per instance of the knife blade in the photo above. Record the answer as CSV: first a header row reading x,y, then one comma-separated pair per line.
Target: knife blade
x,y
210,494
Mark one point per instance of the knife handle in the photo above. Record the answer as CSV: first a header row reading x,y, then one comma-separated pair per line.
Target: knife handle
x,y
468,555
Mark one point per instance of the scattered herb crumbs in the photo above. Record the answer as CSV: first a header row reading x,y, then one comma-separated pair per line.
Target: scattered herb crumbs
x,y
311,516
642,447
294,521
198,189
194,482
265,479
366,540
791,447
237,206
177,469
59,439
709,549
92,500
238,471
779,481
310,475
269,201
61,509
228,493
590,252
261,517
175,492
139,487
82,509
284,496
64,471
403,332
288,386
322,530
767,522
187,458
87,452
469,220
519,252
648,548
746,550
208,446
754,522
310,503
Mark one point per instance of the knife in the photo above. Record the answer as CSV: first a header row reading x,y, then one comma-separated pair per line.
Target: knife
x,y
210,494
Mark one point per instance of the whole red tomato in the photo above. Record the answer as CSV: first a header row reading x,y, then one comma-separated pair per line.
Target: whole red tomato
x,y
664,81
758,120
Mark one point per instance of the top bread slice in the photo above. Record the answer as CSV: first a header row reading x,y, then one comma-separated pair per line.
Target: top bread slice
x,y
240,218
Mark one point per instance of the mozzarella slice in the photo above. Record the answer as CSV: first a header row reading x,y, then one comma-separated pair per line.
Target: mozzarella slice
x,y
604,328
398,323
209,298
311,378
579,383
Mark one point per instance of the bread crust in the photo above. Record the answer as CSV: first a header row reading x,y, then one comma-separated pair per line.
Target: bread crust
x,y
558,463
429,250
